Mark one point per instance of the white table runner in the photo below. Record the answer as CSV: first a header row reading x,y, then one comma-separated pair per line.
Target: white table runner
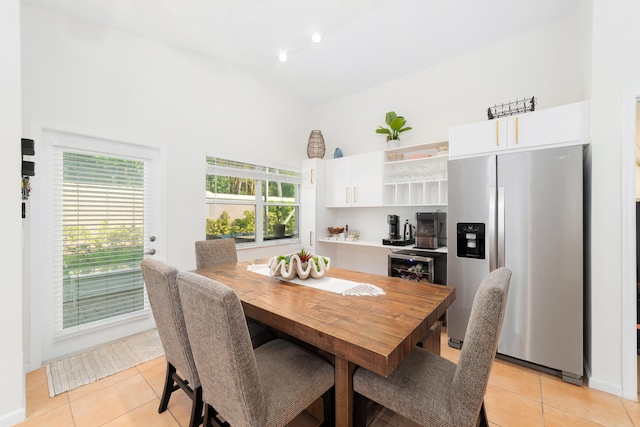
x,y
331,284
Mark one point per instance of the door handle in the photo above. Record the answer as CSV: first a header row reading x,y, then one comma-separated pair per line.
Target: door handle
x,y
311,176
311,238
516,130
150,252
346,194
490,236
355,194
500,218
497,133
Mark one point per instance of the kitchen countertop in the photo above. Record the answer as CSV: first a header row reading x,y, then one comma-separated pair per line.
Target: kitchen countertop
x,y
378,244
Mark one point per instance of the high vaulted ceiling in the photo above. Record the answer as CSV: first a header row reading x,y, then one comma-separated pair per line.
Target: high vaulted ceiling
x,y
365,42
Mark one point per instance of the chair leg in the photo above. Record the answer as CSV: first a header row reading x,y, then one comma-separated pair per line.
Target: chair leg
x,y
196,408
207,421
329,410
169,387
482,419
360,404
210,417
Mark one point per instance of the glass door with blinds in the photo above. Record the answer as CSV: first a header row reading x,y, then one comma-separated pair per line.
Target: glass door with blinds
x,y
102,224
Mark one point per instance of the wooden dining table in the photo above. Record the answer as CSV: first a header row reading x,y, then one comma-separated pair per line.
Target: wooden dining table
x,y
374,332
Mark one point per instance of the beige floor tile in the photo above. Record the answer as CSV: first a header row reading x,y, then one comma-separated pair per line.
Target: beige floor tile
x,y
590,404
507,409
57,417
40,402
145,415
110,403
447,352
152,364
35,378
633,410
556,418
180,406
155,375
105,382
516,378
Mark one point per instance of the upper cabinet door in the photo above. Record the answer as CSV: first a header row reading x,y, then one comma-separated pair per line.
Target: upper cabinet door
x,y
354,181
558,125
477,138
366,179
338,182
566,125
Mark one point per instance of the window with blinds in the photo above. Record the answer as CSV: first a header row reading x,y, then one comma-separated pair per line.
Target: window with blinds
x,y
252,203
99,222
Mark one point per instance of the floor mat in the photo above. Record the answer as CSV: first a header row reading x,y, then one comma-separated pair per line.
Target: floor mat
x,y
111,358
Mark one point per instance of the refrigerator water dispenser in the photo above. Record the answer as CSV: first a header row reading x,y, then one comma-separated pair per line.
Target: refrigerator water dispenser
x,y
471,240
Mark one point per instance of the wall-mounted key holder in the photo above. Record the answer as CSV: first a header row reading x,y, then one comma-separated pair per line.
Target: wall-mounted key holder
x,y
28,169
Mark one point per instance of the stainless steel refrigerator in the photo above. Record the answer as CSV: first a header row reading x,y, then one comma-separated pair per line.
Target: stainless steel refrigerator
x,y
523,211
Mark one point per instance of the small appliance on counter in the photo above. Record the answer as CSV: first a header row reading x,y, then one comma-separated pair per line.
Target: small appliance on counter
x,y
432,230
395,238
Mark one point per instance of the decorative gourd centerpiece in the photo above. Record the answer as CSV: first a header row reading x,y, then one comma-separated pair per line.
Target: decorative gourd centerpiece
x,y
302,264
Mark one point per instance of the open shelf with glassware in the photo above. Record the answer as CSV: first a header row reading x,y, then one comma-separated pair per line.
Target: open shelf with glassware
x,y
416,175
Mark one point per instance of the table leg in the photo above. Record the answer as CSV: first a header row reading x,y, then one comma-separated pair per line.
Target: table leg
x,y
344,392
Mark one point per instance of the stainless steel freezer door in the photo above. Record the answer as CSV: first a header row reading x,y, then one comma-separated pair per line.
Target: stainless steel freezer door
x,y
543,247
471,188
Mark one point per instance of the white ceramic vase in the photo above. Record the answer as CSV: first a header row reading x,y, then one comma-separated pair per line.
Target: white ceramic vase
x,y
393,143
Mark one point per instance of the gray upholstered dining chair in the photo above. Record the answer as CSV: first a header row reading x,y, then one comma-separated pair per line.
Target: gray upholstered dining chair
x,y
433,391
268,386
215,252
210,253
164,298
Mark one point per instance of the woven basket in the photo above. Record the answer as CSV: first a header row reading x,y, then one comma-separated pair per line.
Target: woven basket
x,y
315,147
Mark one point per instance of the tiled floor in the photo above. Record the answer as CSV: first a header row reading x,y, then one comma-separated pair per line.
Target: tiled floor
x,y
516,396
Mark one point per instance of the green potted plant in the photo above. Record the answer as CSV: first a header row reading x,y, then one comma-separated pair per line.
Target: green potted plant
x,y
396,127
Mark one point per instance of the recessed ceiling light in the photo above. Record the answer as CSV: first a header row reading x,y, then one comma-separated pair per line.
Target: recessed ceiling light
x,y
282,57
316,37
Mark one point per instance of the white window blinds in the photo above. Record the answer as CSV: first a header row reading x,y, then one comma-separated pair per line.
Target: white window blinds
x,y
226,167
99,221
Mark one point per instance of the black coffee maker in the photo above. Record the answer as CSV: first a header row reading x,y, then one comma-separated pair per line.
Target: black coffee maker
x,y
393,221
395,238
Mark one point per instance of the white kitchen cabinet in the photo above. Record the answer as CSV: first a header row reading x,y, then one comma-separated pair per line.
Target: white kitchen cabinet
x,y
314,217
416,175
354,181
310,172
566,124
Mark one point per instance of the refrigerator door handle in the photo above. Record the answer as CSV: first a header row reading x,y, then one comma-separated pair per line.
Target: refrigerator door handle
x,y
500,224
491,232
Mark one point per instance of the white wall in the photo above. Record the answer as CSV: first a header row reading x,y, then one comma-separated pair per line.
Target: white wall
x,y
616,69
83,76
551,63
12,392
101,82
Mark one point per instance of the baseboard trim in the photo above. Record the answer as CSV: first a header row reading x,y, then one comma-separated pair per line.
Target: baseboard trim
x,y
605,386
13,418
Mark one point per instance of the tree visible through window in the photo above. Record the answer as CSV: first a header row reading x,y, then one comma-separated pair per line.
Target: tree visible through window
x,y
102,207
251,203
